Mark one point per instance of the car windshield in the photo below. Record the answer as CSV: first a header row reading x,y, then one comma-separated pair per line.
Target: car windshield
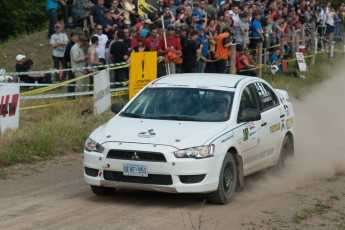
x,y
185,104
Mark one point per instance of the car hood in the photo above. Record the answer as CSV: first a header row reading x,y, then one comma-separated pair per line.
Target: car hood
x,y
180,134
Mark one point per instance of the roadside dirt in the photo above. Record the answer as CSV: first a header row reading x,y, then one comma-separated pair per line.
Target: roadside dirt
x,y
308,194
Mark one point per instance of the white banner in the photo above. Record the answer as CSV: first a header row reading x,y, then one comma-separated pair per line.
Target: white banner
x,y
9,107
301,62
101,92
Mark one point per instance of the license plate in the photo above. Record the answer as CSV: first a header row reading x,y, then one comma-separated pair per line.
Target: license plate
x,y
135,170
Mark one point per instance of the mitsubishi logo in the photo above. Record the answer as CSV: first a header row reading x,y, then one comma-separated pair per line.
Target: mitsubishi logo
x,y
150,133
135,156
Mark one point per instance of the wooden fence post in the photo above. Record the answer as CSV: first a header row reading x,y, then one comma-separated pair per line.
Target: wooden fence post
x,y
259,59
233,59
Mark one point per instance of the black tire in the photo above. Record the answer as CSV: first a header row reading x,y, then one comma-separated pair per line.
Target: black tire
x,y
227,182
102,191
286,152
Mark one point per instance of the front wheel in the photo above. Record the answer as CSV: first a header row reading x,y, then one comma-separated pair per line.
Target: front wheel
x,y
286,152
102,191
227,182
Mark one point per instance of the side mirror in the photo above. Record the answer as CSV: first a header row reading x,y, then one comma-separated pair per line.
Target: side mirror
x,y
249,115
116,107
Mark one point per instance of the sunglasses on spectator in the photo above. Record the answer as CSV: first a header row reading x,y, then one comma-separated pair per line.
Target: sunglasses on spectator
x,y
170,29
57,27
99,29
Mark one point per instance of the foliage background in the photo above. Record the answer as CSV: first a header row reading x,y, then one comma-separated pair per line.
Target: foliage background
x,y
21,16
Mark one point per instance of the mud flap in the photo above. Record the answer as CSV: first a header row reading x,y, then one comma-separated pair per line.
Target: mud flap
x,y
240,177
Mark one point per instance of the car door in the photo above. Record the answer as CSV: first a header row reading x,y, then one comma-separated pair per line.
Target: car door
x,y
248,132
272,123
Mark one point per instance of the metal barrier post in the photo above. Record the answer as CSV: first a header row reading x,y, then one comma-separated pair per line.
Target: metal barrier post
x,y
303,35
330,47
313,43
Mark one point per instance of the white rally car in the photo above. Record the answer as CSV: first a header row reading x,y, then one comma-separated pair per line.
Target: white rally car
x,y
191,133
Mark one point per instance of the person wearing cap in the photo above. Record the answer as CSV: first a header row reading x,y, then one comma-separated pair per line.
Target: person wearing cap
x,y
144,30
196,10
190,50
203,41
59,42
172,45
51,8
78,62
21,67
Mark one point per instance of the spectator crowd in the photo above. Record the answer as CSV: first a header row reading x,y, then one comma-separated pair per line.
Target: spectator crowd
x,y
193,36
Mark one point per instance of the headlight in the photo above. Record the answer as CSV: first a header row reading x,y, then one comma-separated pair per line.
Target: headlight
x,y
196,152
93,146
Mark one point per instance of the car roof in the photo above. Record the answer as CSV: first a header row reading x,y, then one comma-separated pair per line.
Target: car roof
x,y
203,79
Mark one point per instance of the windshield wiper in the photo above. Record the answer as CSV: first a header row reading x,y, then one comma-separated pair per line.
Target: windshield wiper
x,y
179,117
123,114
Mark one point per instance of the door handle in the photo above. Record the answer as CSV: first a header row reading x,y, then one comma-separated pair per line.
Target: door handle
x,y
263,124
283,115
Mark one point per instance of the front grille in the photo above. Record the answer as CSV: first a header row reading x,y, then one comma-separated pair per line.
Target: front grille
x,y
91,171
136,155
151,179
190,179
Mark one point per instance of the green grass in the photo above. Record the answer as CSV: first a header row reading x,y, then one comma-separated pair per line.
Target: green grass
x,y
319,208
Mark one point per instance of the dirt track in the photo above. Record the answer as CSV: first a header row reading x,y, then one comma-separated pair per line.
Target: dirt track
x,y
309,194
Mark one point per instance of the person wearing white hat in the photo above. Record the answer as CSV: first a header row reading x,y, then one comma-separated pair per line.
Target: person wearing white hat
x,y
20,65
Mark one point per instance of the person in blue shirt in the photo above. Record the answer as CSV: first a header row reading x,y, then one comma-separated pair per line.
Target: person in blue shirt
x,y
196,10
276,59
51,8
257,35
202,40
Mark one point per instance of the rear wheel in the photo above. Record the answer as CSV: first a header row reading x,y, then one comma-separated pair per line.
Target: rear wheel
x,y
102,191
286,152
227,182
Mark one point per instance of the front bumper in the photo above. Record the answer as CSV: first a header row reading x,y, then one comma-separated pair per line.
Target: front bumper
x,y
177,175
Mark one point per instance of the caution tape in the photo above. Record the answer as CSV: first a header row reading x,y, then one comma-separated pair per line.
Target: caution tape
x,y
54,86
72,94
114,94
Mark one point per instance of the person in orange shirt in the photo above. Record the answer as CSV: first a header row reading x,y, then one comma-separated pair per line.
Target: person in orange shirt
x,y
246,64
223,50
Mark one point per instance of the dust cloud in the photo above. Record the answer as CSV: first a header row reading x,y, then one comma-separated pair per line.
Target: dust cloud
x,y
319,141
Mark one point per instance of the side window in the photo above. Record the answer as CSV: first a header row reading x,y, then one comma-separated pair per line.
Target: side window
x,y
267,97
248,99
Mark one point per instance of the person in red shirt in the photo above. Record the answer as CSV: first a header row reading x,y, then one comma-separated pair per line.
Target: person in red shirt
x,y
152,42
173,45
